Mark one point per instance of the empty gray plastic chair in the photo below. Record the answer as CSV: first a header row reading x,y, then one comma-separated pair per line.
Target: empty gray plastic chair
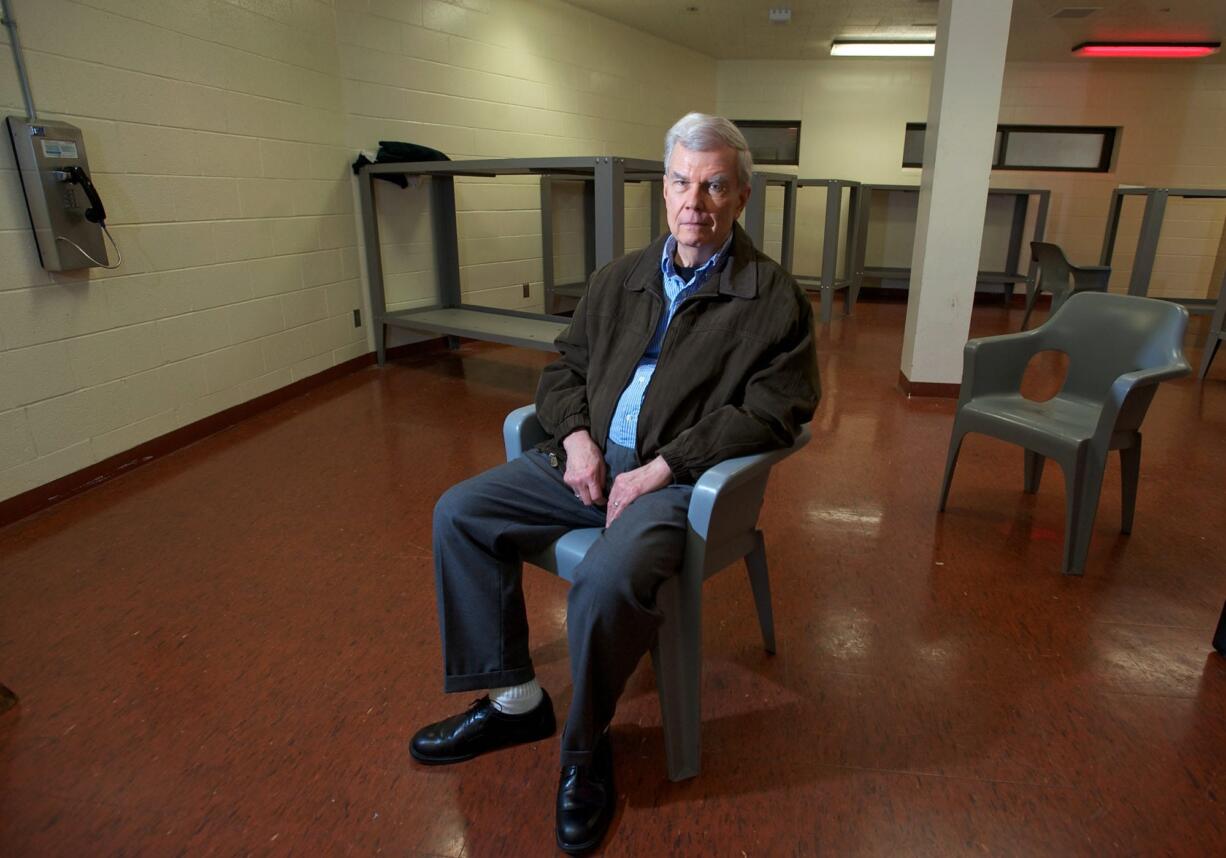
x,y
723,528
1055,274
1216,333
1119,347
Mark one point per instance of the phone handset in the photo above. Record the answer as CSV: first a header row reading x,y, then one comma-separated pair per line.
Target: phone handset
x,y
96,213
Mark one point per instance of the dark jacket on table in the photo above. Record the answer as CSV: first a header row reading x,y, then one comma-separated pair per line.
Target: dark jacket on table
x,y
737,372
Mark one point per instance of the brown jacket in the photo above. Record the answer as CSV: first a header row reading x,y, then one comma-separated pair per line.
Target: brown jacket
x,y
737,372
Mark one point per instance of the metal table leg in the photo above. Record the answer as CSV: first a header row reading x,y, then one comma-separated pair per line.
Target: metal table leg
x,y
863,207
830,253
755,211
789,226
1040,229
1217,331
1013,256
547,241
1147,242
1113,226
610,210
374,264
852,246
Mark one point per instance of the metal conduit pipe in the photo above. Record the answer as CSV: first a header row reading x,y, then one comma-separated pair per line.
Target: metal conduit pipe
x,y
6,17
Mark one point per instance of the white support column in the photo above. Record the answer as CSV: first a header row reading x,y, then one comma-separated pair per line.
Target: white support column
x,y
963,107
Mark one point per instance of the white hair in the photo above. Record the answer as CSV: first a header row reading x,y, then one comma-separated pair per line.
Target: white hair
x,y
701,132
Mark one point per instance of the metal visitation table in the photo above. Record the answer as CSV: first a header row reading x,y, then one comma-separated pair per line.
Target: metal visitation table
x,y
754,224
556,292
450,315
1007,279
1147,239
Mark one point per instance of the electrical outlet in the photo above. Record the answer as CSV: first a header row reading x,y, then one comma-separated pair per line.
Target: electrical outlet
x,y
527,291
357,318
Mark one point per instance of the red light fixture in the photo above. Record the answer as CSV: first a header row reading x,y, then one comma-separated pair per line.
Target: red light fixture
x,y
1149,50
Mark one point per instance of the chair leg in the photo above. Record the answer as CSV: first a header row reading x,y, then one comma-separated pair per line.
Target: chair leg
x,y
1211,347
1034,471
759,580
951,460
1032,294
853,295
1057,301
1083,482
1130,473
380,330
677,659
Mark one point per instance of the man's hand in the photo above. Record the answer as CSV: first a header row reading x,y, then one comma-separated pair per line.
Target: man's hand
x,y
585,469
656,474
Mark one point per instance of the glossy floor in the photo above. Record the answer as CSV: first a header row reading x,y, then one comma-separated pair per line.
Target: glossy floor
x,y
225,652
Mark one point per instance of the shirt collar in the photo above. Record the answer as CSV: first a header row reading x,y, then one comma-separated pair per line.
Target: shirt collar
x,y
668,267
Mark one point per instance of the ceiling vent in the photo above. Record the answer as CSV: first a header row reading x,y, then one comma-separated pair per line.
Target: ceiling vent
x,y
780,16
1076,12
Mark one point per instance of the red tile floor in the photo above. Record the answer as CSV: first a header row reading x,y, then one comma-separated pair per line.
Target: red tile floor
x,y
224,652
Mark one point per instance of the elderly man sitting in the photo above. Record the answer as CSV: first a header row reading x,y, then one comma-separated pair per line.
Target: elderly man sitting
x,y
694,350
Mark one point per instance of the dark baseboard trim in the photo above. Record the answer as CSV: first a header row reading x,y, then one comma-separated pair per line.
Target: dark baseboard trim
x,y
927,388
37,499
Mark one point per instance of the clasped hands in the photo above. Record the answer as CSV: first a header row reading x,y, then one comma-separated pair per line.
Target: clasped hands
x,y
585,473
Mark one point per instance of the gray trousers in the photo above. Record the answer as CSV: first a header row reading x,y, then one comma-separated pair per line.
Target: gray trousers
x,y
482,528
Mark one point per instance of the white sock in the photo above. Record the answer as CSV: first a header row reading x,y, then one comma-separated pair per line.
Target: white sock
x,y
517,699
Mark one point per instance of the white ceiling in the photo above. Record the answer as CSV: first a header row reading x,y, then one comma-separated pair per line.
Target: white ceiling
x,y
740,29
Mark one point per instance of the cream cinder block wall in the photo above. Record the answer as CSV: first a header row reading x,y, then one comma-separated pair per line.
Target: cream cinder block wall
x,y
853,115
220,134
506,79
215,134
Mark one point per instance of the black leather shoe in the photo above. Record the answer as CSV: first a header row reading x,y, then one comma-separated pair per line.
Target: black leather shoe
x,y
586,800
479,729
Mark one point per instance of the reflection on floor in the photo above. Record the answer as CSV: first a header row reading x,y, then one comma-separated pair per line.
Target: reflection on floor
x,y
226,651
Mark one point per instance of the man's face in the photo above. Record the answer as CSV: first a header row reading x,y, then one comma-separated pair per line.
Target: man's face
x,y
703,197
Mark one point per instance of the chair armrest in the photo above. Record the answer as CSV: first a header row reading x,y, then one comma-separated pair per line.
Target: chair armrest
x,y
1091,278
997,364
715,492
1152,376
1131,382
521,430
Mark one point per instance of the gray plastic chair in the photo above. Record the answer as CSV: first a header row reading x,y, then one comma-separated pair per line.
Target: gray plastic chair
x,y
1216,333
1055,273
723,528
1119,348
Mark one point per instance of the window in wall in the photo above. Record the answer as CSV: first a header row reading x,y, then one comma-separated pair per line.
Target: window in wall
x,y
772,141
1066,148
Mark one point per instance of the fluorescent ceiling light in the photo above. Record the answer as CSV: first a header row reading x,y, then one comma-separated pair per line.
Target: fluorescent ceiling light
x,y
880,48
1160,50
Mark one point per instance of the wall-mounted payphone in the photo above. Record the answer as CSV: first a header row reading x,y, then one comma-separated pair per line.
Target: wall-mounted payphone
x,y
68,216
